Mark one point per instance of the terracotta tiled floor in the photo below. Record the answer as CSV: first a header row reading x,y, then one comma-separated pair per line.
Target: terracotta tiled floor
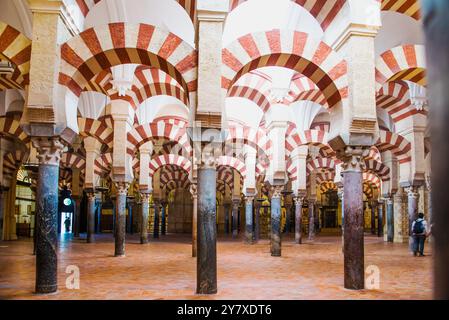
x,y
164,269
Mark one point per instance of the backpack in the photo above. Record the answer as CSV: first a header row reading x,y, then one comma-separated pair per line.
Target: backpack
x,y
418,228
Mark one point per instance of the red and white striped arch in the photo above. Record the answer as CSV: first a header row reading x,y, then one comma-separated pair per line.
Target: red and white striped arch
x,y
325,176
234,163
170,159
320,163
410,8
400,146
407,62
256,138
189,5
159,130
374,154
319,138
16,47
251,94
304,89
324,11
368,190
12,128
72,160
103,164
292,50
100,48
394,98
378,168
13,160
101,82
97,129
372,179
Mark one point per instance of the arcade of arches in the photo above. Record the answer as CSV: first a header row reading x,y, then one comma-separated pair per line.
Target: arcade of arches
x,y
280,128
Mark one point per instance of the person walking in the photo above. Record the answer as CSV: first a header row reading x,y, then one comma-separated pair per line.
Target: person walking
x,y
419,233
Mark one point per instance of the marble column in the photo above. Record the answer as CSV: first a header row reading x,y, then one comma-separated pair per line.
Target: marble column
x,y
373,217
120,218
288,215
380,219
298,218
163,218
77,216
353,247
90,216
156,219
311,236
249,219
227,222
235,217
275,238
194,193
207,229
413,198
49,155
257,205
390,219
144,215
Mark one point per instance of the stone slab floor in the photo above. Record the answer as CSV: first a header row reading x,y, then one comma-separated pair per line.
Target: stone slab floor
x,y
164,269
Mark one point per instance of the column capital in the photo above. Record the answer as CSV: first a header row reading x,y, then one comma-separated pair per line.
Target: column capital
x,y
412,191
299,200
354,158
194,190
145,196
122,187
90,194
277,191
249,199
49,149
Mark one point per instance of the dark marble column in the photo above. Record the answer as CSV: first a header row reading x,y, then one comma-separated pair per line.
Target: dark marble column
x,y
90,216
380,219
298,217
227,222
156,219
354,270
436,24
311,219
207,230
129,221
194,193
120,218
249,219
373,216
275,238
76,231
288,215
163,218
413,197
257,220
235,217
390,219
144,215
49,154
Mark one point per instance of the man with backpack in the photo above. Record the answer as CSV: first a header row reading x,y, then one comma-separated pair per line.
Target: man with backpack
x,y
419,232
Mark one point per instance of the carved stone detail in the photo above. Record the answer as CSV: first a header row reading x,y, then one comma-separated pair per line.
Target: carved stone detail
x,y
194,190
277,191
49,149
249,199
122,187
354,158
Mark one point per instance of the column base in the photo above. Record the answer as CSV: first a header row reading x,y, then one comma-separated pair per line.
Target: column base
x,y
143,240
46,289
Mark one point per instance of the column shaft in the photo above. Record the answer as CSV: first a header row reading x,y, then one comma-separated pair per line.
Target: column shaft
x,y
249,220
90,217
390,220
257,222
120,219
380,220
298,218
163,219
311,219
207,232
412,197
354,272
276,222
235,217
156,220
373,218
144,215
46,228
